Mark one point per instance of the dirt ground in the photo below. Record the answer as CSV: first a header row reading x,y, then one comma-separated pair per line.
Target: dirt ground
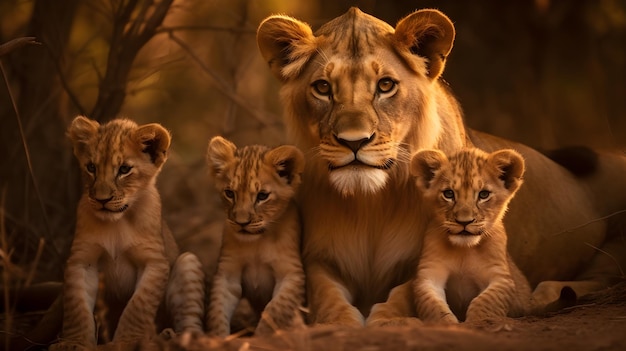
x,y
596,322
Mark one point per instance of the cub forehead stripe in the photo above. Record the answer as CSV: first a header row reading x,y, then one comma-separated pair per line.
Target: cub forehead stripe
x,y
111,142
466,166
249,162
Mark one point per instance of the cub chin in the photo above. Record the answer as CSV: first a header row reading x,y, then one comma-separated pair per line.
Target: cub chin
x,y
260,255
120,237
465,271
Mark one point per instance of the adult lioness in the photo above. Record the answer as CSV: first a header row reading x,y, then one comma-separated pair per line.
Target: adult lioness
x,y
360,97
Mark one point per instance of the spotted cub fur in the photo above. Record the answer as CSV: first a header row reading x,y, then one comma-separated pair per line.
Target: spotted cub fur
x,y
260,254
121,238
465,272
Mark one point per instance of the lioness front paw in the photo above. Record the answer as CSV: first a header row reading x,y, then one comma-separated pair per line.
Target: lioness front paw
x,y
348,317
386,315
394,322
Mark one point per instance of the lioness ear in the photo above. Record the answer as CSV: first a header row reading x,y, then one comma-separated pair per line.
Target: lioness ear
x,y
154,140
425,164
219,153
510,165
286,44
80,131
289,163
429,34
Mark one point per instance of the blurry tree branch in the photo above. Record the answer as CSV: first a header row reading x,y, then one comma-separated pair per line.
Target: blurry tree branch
x,y
16,43
66,87
263,117
29,162
207,28
130,34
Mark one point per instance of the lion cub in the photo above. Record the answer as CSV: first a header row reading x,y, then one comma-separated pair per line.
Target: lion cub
x,y
465,272
120,236
260,254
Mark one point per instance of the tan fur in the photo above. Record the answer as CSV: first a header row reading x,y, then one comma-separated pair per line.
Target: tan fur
x,y
120,233
465,271
260,254
359,98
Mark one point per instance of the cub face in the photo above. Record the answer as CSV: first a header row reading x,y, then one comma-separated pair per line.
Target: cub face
x,y
469,192
256,183
118,160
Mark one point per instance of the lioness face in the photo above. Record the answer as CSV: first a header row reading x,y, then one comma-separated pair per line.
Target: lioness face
x,y
352,93
355,116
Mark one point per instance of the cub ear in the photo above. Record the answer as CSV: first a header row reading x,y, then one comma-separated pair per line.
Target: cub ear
x,y
510,167
219,153
80,131
424,165
154,140
429,34
286,44
289,163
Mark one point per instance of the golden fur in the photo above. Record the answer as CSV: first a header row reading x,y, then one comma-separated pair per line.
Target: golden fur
x,y
465,271
260,254
361,96
120,234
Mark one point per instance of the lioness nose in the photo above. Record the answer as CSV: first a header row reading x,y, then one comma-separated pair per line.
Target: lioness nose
x,y
465,222
354,144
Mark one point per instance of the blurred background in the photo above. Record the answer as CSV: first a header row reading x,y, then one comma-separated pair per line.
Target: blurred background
x,y
548,73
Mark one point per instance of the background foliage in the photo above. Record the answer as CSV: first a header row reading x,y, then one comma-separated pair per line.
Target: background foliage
x,y
548,73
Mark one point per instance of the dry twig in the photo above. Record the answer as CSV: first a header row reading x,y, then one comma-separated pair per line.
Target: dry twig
x,y
16,43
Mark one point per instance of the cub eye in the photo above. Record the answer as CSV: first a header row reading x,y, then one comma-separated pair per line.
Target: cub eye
x,y
124,169
229,194
262,196
483,194
91,168
385,85
448,194
322,87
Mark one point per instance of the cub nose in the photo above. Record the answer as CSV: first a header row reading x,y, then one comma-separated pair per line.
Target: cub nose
x,y
104,201
243,223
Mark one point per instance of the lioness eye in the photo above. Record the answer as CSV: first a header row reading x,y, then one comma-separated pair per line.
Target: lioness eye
x,y
322,87
385,85
124,169
91,168
262,196
229,194
448,194
483,194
